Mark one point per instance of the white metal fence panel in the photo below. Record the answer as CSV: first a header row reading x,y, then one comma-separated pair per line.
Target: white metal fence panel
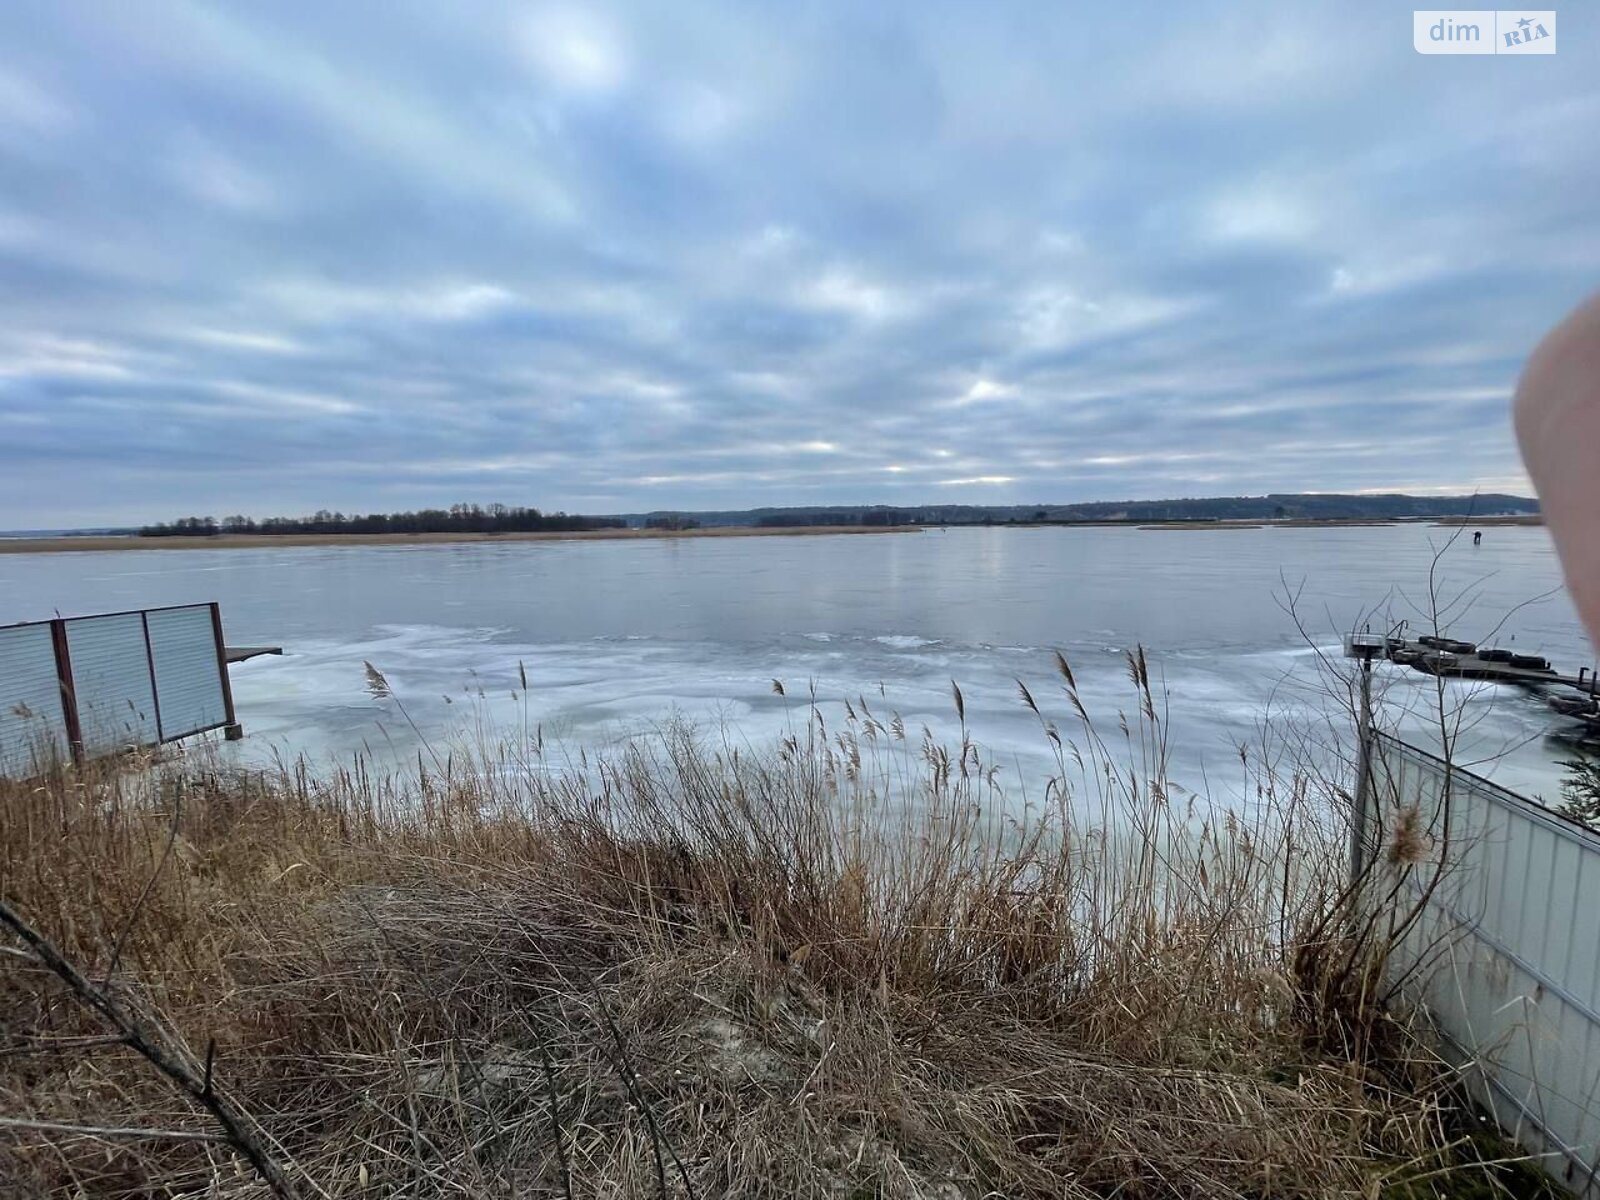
x,y
1504,952
87,686
111,680
188,676
33,729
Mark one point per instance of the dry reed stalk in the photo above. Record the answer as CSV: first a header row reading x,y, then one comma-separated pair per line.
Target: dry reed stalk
x,y
846,968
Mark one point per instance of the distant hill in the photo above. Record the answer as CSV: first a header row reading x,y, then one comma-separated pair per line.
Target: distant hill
x,y
1277,507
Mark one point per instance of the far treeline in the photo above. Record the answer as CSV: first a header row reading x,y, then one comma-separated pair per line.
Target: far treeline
x,y
1272,507
500,518
458,518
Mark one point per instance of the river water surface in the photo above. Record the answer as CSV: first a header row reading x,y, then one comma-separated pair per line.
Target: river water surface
x,y
614,636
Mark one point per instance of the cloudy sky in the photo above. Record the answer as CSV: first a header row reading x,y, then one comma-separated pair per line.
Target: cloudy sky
x,y
270,258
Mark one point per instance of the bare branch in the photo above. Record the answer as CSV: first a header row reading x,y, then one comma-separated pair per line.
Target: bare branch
x,y
239,1130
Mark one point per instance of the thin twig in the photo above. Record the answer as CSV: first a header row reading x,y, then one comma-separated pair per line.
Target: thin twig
x,y
556,1134
111,1131
630,1080
149,886
61,1045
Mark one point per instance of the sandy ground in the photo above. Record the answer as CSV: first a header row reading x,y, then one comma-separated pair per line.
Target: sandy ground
x,y
257,542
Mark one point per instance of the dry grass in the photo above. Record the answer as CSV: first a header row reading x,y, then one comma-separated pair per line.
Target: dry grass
x,y
843,969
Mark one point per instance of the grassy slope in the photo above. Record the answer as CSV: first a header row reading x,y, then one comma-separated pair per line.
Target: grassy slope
x,y
689,972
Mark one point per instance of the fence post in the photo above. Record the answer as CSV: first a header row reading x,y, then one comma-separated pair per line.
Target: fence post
x,y
1363,798
150,665
69,694
233,731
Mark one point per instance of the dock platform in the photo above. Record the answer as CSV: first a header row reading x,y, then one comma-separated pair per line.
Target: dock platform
x,y
238,654
1450,658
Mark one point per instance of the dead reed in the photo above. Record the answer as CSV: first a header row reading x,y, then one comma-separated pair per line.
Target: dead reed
x,y
850,967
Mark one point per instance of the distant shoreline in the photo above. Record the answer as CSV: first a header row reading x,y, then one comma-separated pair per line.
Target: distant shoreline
x,y
236,541
1533,519
231,541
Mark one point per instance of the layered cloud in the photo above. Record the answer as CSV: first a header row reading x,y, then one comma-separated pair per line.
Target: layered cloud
x,y
372,256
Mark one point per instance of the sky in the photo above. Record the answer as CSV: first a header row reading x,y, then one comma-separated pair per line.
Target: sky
x,y
603,258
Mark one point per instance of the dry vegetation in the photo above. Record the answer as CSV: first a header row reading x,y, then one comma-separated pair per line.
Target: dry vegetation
x,y
849,968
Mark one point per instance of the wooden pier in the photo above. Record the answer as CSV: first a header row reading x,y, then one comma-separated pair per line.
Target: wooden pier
x,y
238,654
1578,696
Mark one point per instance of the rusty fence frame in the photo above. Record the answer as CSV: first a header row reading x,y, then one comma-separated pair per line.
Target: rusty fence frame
x,y
72,718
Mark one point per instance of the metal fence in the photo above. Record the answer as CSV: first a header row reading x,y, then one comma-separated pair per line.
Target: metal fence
x,y
81,687
1504,950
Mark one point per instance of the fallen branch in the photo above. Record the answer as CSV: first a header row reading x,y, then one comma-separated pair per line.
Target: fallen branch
x,y
239,1131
